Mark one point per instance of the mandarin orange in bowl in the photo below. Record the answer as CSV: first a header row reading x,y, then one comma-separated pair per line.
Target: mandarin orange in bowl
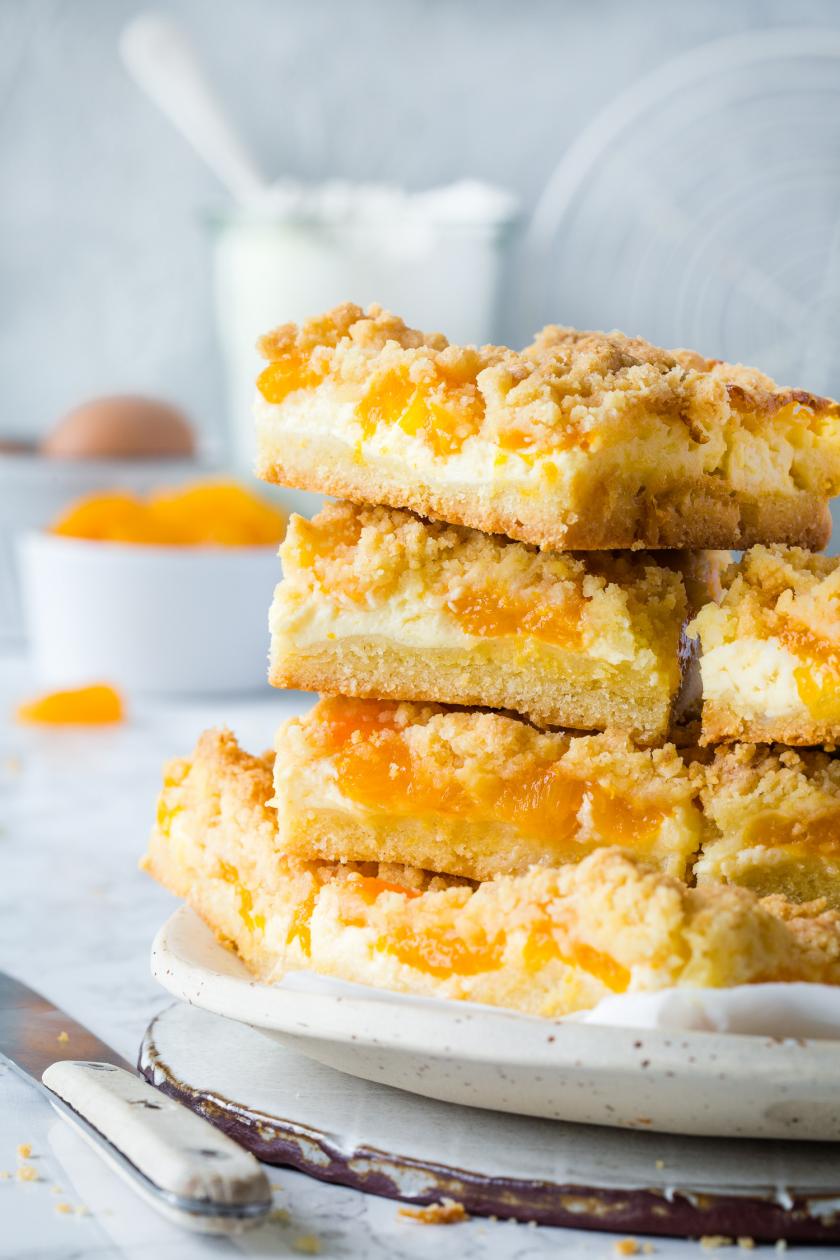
x,y
164,593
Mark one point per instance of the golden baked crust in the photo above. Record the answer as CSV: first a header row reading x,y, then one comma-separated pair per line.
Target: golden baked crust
x,y
472,793
770,650
772,821
549,942
582,440
378,602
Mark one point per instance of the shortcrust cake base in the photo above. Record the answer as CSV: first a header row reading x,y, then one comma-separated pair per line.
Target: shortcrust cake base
x,y
587,695
474,850
722,724
613,513
548,943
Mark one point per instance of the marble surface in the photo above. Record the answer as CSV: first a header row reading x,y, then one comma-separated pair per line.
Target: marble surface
x,y
76,922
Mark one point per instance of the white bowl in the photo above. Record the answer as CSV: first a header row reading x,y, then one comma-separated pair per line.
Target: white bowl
x,y
147,619
34,490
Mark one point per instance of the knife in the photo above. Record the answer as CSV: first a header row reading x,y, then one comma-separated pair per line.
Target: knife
x,y
180,1163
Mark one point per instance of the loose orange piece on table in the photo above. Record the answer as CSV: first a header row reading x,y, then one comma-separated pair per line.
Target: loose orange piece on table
x,y
98,705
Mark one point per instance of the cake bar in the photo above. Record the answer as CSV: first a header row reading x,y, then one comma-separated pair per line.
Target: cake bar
x,y
379,602
549,942
772,821
472,793
770,650
582,440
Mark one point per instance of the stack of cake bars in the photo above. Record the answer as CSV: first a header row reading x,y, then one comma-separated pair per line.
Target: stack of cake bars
x,y
514,788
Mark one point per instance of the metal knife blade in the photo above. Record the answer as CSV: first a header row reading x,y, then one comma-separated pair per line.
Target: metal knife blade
x,y
32,1032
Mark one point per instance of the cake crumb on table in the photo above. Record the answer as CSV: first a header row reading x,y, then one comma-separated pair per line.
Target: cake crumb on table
x,y
28,1172
63,1037
709,1241
447,1212
280,1216
307,1244
24,1150
64,1208
746,1244
781,1244
625,1247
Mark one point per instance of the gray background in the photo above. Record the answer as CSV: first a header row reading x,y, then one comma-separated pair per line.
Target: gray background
x,y
104,264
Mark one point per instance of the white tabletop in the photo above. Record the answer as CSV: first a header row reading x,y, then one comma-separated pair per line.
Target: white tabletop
x,y
76,922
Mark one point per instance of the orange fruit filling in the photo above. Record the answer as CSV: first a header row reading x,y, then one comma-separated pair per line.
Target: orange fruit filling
x,y
819,835
375,768
369,888
299,928
215,513
253,922
487,614
83,706
818,683
443,954
444,412
541,947
286,374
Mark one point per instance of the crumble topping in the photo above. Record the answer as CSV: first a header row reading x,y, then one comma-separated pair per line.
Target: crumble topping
x,y
568,388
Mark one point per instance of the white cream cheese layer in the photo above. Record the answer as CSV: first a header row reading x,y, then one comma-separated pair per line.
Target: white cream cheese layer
x,y
659,457
415,620
479,462
399,620
752,676
317,783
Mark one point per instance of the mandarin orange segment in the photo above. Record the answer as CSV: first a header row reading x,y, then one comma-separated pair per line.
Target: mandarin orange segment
x,y
441,412
98,705
369,888
804,642
109,518
385,402
602,966
286,374
343,719
544,802
299,928
541,947
620,820
818,684
221,513
819,691
316,544
214,513
375,768
489,614
820,835
443,954
230,875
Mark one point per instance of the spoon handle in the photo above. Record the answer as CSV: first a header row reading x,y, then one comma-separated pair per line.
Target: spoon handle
x,y
161,60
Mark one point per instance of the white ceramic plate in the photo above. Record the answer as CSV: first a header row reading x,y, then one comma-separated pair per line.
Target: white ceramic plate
x,y
697,1083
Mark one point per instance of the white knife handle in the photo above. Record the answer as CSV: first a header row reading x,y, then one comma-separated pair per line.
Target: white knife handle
x,y
180,1163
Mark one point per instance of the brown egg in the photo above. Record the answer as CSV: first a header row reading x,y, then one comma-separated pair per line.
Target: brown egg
x,y
121,427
